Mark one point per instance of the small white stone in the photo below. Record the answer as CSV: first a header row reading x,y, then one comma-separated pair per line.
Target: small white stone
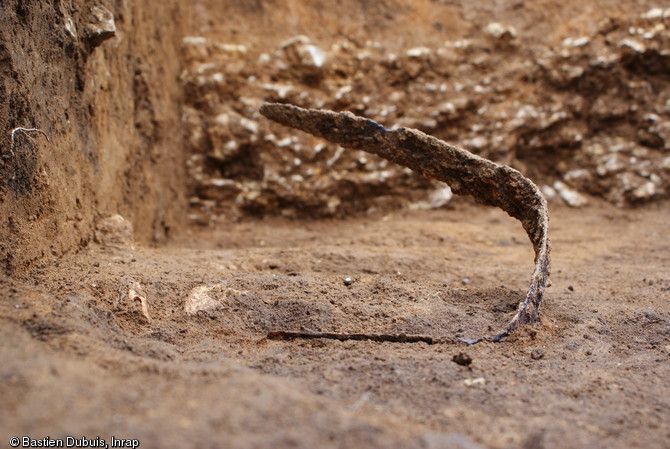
x,y
441,196
222,119
286,141
205,298
317,55
479,142
645,191
610,163
282,90
500,31
342,91
654,13
571,197
572,71
578,174
300,50
473,382
548,192
575,42
633,45
249,125
221,182
449,107
233,48
417,52
194,40
70,27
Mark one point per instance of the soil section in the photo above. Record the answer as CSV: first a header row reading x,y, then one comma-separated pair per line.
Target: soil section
x,y
580,109
88,76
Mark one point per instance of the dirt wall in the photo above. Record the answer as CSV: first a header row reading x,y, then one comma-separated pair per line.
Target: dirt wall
x,y
86,74
574,97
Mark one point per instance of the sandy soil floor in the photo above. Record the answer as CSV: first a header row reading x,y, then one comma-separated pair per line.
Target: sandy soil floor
x,y
82,359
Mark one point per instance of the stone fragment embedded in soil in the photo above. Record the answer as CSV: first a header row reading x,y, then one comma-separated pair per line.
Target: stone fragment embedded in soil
x,y
132,299
571,197
467,174
537,354
114,232
549,192
195,48
207,298
300,51
474,382
500,31
436,199
462,359
101,26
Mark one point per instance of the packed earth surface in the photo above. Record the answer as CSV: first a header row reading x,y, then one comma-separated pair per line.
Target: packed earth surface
x,y
157,228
